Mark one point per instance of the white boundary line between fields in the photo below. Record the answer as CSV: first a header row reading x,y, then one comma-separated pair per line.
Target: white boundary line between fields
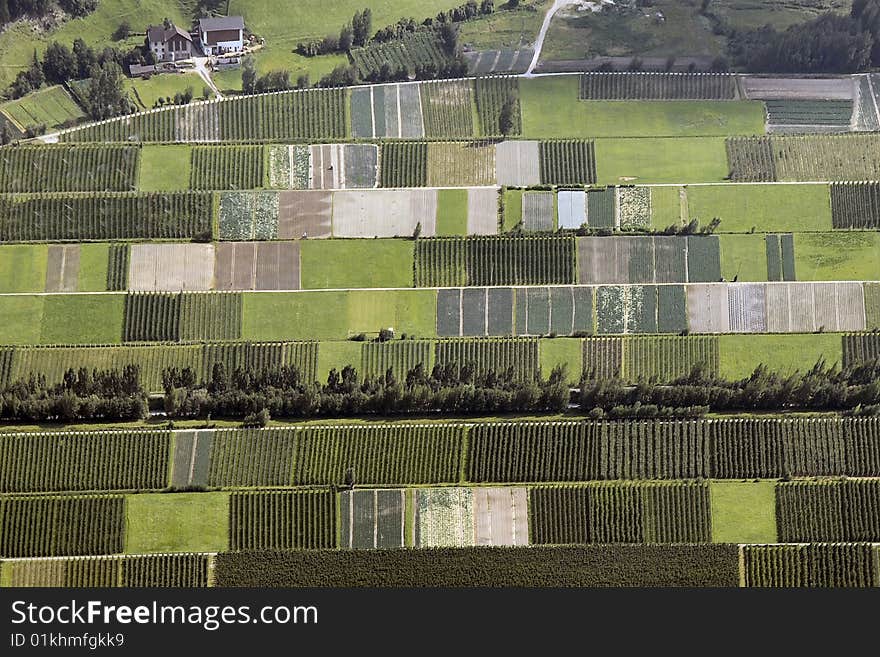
x,y
429,289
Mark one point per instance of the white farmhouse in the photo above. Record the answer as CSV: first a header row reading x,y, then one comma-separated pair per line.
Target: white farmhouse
x,y
221,34
169,42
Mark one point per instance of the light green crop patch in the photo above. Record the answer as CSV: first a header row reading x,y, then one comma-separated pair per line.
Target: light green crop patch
x,y
562,351
356,263
321,315
23,267
82,319
165,168
22,319
741,354
337,355
837,256
743,512
743,257
764,208
176,522
660,160
93,262
413,312
551,108
452,212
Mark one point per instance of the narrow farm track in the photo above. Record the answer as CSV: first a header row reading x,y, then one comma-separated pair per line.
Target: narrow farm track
x,y
539,42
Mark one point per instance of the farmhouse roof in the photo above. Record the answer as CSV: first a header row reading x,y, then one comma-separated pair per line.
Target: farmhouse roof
x,y
221,23
158,34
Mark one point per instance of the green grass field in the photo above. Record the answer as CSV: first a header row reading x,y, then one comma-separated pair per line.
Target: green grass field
x,y
764,208
164,168
23,267
452,207
93,267
338,355
561,351
550,108
300,316
145,93
356,263
743,512
22,318
406,311
743,257
82,319
665,207
177,522
659,160
741,354
838,256
51,107
512,209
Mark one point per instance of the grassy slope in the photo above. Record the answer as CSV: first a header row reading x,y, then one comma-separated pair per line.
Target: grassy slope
x,y
356,263
743,256
766,208
505,29
837,256
182,522
550,108
164,168
23,268
659,160
82,319
743,512
17,44
284,24
164,86
51,106
338,355
741,354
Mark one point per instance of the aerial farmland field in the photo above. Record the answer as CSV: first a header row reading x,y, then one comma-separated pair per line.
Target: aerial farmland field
x,y
591,328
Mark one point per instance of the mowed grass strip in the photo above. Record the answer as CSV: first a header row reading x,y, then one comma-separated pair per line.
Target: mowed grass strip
x,y
93,263
356,263
660,160
550,108
743,512
82,319
762,208
180,522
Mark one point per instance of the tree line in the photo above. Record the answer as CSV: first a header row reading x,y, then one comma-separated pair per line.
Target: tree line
x,y
854,390
283,392
110,395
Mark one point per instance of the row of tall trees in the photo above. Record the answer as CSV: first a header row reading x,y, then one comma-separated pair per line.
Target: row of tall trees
x,y
81,395
283,392
854,390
